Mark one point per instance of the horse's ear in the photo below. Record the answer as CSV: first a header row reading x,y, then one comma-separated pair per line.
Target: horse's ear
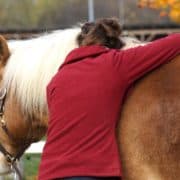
x,y
4,50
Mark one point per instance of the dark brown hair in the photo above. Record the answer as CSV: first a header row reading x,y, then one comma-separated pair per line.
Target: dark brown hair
x,y
105,32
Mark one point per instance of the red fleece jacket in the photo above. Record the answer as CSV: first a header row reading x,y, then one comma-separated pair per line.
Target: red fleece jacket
x,y
85,99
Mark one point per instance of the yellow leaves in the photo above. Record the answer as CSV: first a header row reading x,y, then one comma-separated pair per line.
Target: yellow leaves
x,y
169,8
175,14
160,3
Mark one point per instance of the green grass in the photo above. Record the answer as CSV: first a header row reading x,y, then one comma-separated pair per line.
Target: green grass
x,y
31,164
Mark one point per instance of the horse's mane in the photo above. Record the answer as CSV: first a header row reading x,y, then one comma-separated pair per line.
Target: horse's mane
x,y
33,63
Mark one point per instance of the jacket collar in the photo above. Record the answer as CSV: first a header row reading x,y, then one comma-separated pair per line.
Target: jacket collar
x,y
80,53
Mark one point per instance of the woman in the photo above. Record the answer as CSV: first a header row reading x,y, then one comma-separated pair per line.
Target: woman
x,y
85,99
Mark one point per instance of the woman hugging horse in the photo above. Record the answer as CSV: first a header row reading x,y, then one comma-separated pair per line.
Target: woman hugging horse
x,y
85,99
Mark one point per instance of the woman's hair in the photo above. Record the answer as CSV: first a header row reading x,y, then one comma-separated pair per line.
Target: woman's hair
x,y
105,32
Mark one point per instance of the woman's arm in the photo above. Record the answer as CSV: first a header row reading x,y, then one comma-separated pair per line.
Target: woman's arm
x,y
136,62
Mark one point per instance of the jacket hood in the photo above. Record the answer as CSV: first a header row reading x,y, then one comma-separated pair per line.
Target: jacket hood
x,y
80,53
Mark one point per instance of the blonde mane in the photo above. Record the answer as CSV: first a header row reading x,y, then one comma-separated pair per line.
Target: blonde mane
x,y
33,63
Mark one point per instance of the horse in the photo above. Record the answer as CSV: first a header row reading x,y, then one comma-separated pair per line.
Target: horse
x,y
150,112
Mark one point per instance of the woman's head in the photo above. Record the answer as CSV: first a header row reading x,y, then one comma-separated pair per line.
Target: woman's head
x,y
103,32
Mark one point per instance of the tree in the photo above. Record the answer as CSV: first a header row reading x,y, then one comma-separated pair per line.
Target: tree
x,y
169,8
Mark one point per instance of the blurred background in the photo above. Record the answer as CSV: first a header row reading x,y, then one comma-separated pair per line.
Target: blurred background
x,y
23,19
35,16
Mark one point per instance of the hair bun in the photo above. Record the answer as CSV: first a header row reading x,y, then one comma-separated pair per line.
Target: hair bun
x,y
104,32
87,27
111,26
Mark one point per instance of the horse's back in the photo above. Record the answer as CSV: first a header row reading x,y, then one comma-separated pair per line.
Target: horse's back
x,y
149,129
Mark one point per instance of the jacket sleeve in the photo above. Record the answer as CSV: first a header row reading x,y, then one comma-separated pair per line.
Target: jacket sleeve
x,y
136,62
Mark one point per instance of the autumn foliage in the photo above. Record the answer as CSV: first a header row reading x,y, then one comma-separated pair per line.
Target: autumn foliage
x,y
169,8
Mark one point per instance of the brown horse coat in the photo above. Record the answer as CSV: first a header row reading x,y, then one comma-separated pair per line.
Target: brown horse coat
x,y
149,129
4,54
